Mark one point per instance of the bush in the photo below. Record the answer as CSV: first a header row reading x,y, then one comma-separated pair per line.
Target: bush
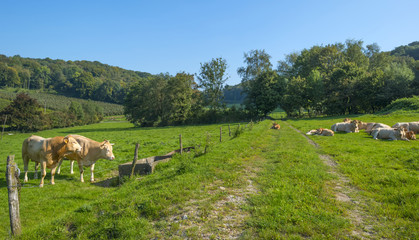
x,y
405,104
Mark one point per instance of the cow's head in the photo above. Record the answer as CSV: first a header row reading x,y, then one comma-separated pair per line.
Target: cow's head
x,y
362,125
106,148
411,135
354,126
71,144
347,120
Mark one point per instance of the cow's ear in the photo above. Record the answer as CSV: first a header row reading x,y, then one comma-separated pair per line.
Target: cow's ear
x,y
66,139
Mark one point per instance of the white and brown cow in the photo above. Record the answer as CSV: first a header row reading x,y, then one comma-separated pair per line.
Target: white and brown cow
x,y
345,127
389,133
91,152
409,126
48,152
321,132
373,126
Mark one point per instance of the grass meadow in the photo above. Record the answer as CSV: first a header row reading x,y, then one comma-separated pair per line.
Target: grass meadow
x,y
260,183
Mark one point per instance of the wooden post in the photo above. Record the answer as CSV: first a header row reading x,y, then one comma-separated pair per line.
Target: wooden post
x,y
13,187
4,123
229,130
180,143
134,162
221,134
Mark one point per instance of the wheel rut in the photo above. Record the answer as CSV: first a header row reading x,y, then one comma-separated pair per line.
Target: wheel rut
x,y
346,193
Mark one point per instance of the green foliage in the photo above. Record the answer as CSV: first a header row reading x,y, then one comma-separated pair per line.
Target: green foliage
x,y
211,79
80,79
403,104
24,114
61,103
264,93
411,50
345,79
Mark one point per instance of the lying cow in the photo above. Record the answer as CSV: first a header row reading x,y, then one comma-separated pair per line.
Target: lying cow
x,y
48,152
389,133
91,152
345,127
321,132
409,126
275,126
372,126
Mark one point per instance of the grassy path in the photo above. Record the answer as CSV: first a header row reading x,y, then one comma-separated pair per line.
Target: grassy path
x,y
347,194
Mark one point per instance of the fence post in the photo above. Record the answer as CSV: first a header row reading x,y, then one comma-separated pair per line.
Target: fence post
x,y
180,143
229,130
13,187
134,162
221,134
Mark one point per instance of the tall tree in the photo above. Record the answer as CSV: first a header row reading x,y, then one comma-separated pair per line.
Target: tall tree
x,y
264,93
179,92
211,79
257,61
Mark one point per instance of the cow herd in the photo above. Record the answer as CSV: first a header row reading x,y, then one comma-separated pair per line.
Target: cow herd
x,y
399,131
50,152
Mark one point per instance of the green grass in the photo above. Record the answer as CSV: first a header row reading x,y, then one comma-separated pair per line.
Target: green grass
x,y
294,197
386,172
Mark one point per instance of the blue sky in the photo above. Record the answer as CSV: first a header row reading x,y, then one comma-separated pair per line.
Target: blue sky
x,y
175,36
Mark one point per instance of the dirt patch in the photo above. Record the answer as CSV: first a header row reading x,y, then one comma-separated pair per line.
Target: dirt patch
x,y
209,219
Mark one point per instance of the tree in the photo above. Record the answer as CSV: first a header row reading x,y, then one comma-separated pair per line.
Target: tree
x,y
264,93
180,93
24,114
257,61
211,79
145,103
77,110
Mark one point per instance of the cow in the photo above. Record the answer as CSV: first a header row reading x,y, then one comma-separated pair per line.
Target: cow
x,y
345,127
321,132
389,133
347,120
275,126
48,152
411,135
91,152
409,126
414,126
371,126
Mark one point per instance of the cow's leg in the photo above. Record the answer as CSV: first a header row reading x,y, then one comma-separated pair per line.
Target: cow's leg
x,y
44,172
81,170
59,166
36,170
374,135
52,174
71,166
92,175
25,167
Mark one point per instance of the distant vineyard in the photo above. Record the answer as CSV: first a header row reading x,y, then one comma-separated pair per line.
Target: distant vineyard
x,y
59,102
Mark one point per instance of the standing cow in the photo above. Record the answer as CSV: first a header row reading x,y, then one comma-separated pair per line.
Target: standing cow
x,y
91,152
48,152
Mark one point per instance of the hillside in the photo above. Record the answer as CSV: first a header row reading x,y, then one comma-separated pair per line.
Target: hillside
x,y
80,79
58,102
410,50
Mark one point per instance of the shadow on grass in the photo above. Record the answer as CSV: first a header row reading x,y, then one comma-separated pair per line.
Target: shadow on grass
x,y
108,183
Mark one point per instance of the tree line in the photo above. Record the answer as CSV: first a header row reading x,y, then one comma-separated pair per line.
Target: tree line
x,y
335,79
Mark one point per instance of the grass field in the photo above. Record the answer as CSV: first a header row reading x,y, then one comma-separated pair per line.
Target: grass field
x,y
262,184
